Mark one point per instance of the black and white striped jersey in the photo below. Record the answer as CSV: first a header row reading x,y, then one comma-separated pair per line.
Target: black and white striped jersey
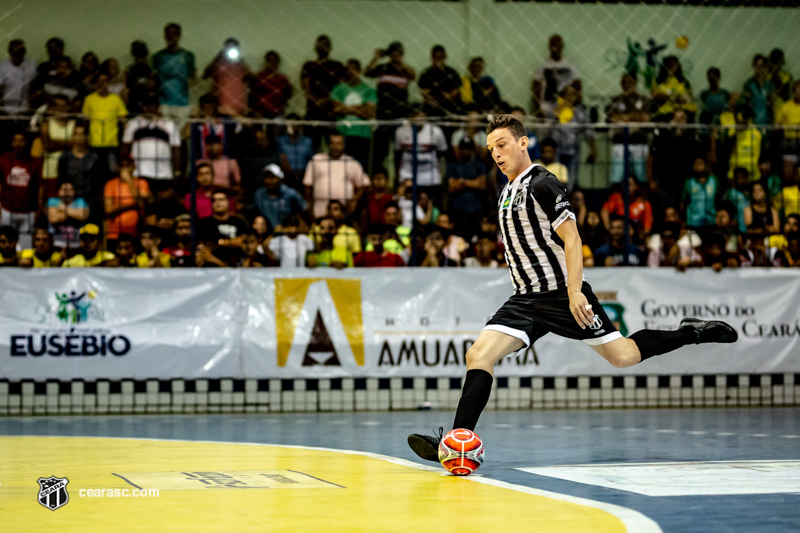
x,y
530,209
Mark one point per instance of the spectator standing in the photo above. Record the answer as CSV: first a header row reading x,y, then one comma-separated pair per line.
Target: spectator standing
x,y
125,198
20,195
431,141
55,134
16,76
80,165
393,78
332,176
318,78
781,79
466,178
617,252
790,116
671,157
288,246
43,254
743,144
275,200
738,196
91,253
629,106
259,152
714,99
567,113
478,89
226,170
789,200
759,92
211,124
154,143
67,214
296,151
175,68
760,217
46,71
140,81
553,75
270,90
65,82
353,102
440,86
88,70
229,74
672,91
105,111
699,198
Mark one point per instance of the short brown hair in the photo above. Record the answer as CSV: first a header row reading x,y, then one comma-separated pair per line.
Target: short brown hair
x,y
509,122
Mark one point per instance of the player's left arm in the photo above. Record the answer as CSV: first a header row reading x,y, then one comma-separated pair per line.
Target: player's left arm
x,y
554,201
568,232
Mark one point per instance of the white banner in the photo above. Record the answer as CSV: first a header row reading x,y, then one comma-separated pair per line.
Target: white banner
x,y
114,323
277,323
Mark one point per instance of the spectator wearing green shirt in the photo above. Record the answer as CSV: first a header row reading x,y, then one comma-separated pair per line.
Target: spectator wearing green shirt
x,y
354,101
699,197
738,195
175,69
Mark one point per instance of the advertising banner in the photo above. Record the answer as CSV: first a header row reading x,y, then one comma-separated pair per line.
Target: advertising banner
x,y
276,323
113,323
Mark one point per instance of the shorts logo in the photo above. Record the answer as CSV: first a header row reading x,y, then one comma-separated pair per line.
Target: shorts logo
x,y
596,324
318,322
53,492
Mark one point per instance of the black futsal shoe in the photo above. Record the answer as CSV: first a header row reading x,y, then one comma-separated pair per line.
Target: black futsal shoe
x,y
710,330
425,446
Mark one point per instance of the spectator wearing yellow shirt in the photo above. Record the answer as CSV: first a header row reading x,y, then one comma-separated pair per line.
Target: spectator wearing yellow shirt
x,y
90,255
105,110
325,254
788,202
125,251
672,91
746,144
790,116
9,237
152,256
43,254
550,161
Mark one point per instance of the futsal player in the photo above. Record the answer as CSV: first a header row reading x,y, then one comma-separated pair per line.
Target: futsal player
x,y
543,253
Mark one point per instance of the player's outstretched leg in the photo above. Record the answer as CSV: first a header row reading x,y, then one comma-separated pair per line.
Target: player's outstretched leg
x,y
490,347
647,343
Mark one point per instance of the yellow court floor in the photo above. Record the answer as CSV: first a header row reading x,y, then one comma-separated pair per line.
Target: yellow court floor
x,y
212,486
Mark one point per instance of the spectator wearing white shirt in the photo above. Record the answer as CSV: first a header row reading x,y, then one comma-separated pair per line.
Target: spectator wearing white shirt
x,y
16,75
289,247
154,143
431,142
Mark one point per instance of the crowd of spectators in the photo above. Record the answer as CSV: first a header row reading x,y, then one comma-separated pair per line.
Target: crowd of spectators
x,y
116,167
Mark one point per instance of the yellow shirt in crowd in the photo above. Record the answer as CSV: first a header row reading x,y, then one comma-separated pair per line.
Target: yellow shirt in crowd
x,y
80,261
104,113
53,260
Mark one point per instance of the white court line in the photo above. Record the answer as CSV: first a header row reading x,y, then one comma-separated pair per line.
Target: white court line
x,y
634,521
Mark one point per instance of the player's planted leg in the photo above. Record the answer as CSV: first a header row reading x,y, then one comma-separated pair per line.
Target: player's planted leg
x,y
490,347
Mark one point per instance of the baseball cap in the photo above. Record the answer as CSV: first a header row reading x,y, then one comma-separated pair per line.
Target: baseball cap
x,y
90,229
273,169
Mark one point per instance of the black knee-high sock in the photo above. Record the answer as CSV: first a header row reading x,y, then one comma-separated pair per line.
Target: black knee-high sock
x,y
477,388
652,342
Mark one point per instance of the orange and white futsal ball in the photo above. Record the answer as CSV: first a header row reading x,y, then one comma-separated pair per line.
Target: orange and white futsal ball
x,y
461,452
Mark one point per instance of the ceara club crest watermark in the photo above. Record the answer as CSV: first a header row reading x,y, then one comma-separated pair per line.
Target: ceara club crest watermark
x,y
53,492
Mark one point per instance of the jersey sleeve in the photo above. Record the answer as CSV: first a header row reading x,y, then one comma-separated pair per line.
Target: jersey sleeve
x,y
552,197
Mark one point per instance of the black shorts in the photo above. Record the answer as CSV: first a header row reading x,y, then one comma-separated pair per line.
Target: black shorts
x,y
531,316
